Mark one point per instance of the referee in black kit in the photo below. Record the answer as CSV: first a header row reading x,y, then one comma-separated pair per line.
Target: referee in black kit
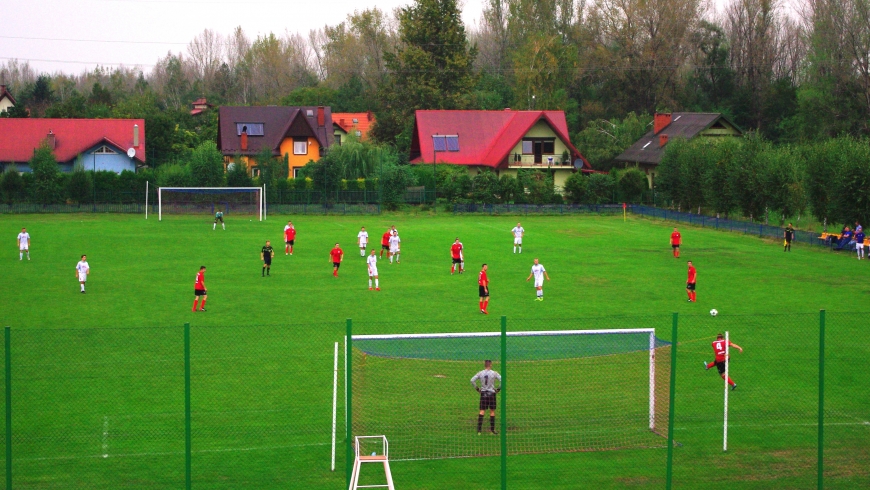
x,y
487,390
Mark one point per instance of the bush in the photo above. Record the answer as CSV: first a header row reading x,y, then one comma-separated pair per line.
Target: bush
x,y
46,176
632,184
507,188
173,175
486,188
395,180
206,166
575,188
79,188
599,189
237,175
11,185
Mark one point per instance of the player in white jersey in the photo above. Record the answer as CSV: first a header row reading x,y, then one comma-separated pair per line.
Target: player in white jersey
x,y
518,232
372,262
362,238
539,272
394,247
82,271
394,231
23,244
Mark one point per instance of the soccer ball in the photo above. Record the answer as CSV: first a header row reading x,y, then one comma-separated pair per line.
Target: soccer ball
x,y
714,312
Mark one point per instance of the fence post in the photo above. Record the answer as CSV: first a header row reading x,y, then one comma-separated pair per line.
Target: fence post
x,y
672,390
821,443
348,402
503,403
187,438
8,355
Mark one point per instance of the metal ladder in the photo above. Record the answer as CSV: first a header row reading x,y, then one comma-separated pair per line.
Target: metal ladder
x,y
383,458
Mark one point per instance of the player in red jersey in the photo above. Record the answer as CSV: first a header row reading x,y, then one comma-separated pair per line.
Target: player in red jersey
x,y
719,349
336,255
456,255
483,289
385,242
676,241
289,238
690,282
199,289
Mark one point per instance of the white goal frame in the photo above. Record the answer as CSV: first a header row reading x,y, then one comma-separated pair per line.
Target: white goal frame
x,y
650,331
261,190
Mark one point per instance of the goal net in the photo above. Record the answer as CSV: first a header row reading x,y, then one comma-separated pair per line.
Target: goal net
x,y
580,390
248,201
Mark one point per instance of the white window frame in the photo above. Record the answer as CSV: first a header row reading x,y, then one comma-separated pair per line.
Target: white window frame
x,y
296,148
105,150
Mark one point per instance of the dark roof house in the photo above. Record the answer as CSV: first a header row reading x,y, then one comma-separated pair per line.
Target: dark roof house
x,y
267,127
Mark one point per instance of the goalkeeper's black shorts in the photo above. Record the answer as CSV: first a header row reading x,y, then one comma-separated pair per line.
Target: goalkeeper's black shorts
x,y
487,401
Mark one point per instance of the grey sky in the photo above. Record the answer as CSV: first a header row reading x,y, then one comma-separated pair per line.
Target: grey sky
x,y
75,35
138,32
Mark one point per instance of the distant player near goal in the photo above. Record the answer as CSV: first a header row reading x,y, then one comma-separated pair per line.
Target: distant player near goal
x,y
483,290
676,241
394,247
487,389
266,254
82,272
719,350
219,216
456,255
362,239
539,272
23,244
289,238
336,256
518,233
199,289
372,262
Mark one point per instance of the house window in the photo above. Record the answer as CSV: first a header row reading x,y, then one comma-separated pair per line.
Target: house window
x,y
528,147
545,146
255,172
309,113
300,146
358,133
355,121
296,172
253,129
337,139
105,150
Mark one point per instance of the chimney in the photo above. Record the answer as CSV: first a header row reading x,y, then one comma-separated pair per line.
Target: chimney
x,y
51,140
245,138
369,115
507,108
321,116
661,121
663,140
136,136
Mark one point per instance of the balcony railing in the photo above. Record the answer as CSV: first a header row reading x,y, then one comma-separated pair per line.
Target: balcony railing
x,y
516,160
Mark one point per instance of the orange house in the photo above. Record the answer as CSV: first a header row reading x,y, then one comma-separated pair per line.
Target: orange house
x,y
299,134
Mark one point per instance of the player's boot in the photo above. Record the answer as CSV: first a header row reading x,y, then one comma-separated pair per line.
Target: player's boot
x,y
734,387
706,366
377,289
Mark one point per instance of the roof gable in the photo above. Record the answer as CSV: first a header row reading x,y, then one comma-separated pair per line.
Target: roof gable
x,y
20,137
485,137
278,123
687,125
5,94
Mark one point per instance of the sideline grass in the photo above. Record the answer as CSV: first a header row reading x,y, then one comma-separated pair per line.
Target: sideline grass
x,y
262,352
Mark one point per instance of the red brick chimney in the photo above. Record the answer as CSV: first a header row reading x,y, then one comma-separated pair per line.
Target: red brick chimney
x,y
660,122
51,140
321,117
245,138
663,140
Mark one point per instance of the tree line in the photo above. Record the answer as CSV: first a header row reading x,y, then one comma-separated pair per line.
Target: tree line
x,y
753,178
790,74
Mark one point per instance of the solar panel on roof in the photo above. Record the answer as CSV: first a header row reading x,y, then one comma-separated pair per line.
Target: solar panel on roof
x,y
440,143
453,143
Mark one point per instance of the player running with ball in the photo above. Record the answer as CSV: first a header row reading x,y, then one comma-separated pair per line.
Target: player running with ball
x,y
487,390
372,262
539,272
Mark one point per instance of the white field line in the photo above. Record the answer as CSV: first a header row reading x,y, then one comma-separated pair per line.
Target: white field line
x,y
827,424
105,436
171,453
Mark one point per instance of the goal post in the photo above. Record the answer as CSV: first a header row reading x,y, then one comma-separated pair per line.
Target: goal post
x,y
199,200
570,390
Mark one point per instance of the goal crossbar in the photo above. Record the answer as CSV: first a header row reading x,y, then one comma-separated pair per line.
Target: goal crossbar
x,y
531,333
261,204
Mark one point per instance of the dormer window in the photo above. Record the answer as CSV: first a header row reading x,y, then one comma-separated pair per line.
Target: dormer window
x,y
309,112
355,121
253,129
647,144
105,150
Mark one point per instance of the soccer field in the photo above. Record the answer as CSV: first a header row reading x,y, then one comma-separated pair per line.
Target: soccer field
x,y
98,378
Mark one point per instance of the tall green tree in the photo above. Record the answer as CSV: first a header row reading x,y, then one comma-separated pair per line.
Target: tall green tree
x,y
46,175
431,68
206,166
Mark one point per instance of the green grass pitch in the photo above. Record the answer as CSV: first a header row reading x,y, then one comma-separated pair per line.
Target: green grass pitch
x,y
98,380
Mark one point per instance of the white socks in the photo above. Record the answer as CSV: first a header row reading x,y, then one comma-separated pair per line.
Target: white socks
x,y
20,255
540,293
224,226
515,249
370,283
83,286
376,283
397,257
362,252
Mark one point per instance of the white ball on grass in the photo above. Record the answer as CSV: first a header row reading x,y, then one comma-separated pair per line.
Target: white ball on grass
x,y
714,312
374,453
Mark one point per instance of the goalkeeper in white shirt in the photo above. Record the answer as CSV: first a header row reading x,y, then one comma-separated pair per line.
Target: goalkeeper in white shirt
x,y
539,273
487,389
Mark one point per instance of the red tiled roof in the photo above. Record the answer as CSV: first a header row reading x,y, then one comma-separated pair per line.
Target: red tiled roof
x,y
485,137
344,120
19,137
